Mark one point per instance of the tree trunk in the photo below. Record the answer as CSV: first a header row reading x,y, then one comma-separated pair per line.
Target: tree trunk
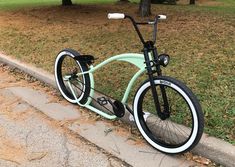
x,y
169,2
66,2
157,1
145,8
192,2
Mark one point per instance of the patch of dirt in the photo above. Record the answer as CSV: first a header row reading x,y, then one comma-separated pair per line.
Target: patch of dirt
x,y
12,151
201,2
208,3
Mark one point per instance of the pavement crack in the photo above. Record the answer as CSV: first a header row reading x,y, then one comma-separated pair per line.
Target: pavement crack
x,y
9,160
117,150
160,163
67,151
27,138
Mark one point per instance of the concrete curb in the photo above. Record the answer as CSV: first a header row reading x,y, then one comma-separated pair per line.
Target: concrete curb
x,y
215,149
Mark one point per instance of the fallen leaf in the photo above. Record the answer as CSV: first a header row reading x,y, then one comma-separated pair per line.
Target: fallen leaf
x,y
201,160
37,156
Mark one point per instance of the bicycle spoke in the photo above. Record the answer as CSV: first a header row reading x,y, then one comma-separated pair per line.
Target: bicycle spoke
x,y
176,129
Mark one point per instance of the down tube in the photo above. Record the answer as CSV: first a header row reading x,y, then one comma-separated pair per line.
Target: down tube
x,y
130,85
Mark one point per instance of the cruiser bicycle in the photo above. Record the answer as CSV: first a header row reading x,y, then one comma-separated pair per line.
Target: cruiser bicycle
x,y
166,112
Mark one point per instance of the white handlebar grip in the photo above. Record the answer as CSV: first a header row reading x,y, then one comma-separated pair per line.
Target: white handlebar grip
x,y
116,16
162,17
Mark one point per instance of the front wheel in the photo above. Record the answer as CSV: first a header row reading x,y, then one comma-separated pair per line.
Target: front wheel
x,y
183,127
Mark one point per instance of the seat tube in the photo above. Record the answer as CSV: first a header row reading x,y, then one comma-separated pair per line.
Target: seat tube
x,y
151,79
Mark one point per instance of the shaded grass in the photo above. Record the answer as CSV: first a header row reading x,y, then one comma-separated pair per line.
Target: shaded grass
x,y
16,4
200,41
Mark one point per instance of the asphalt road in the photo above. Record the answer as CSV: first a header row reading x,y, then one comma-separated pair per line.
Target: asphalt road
x,y
30,139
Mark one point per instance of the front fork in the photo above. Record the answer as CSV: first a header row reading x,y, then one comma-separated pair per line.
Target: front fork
x,y
149,64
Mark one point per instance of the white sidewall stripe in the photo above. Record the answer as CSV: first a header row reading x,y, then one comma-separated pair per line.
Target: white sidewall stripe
x,y
195,118
57,81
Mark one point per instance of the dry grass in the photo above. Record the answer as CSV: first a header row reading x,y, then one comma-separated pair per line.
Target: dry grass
x,y
201,44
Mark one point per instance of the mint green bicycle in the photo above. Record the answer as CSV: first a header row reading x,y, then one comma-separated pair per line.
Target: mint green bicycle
x,y
166,112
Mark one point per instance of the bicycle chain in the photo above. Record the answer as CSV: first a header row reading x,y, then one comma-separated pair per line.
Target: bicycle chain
x,y
93,97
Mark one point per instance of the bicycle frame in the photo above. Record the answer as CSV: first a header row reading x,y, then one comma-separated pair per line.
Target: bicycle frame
x,y
148,61
133,58
152,104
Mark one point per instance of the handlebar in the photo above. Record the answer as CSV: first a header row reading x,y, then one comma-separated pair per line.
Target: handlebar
x,y
123,16
154,23
116,16
161,17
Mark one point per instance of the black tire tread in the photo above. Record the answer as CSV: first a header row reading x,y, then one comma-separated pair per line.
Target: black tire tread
x,y
195,102
84,67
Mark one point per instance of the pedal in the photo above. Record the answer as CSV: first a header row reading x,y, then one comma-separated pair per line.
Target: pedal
x,y
102,101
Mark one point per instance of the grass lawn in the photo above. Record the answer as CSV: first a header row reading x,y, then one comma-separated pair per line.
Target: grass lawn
x,y
16,4
200,40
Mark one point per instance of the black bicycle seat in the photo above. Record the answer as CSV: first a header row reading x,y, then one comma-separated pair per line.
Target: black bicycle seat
x,y
89,59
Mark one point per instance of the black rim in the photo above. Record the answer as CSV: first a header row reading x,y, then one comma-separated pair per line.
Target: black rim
x,y
60,77
146,128
62,84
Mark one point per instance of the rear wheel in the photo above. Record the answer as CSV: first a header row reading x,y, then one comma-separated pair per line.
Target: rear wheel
x,y
183,127
66,70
